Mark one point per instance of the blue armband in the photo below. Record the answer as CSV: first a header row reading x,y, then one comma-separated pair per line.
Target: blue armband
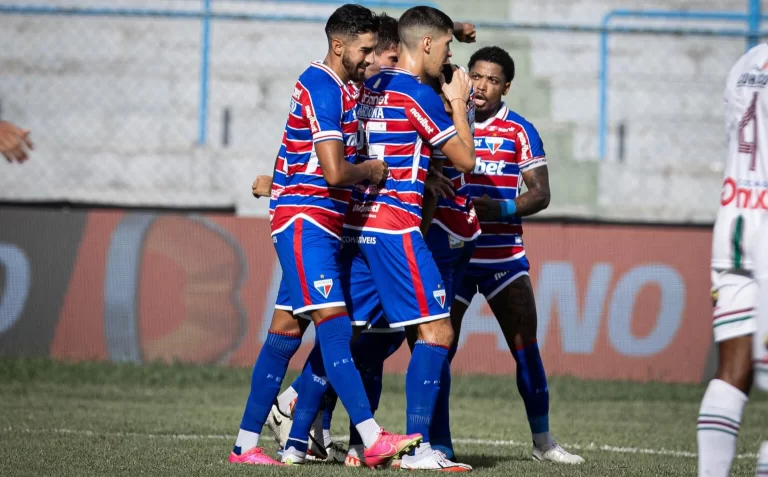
x,y
508,209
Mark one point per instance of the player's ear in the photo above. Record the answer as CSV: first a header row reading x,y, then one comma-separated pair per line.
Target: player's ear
x,y
337,46
426,43
507,85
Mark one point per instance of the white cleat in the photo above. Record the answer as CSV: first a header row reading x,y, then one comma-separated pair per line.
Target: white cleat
x,y
552,452
280,424
432,460
293,457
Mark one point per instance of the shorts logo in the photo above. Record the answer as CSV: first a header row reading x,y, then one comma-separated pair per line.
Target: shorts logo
x,y
440,297
499,275
715,296
324,286
453,242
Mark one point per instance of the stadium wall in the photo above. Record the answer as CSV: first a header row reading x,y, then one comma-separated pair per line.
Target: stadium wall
x,y
113,104
615,302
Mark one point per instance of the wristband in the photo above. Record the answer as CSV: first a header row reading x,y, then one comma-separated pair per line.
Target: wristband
x,y
508,209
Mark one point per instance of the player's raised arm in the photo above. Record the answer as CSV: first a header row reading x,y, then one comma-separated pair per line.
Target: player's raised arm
x,y
460,149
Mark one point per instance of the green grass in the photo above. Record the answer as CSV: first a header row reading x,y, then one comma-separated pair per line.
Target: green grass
x,y
105,419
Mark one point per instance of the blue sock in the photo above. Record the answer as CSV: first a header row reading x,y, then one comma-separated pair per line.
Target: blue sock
x,y
532,384
312,386
440,430
334,334
331,398
268,373
422,384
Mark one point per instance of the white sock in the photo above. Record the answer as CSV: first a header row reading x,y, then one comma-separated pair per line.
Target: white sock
x,y
284,400
356,450
246,440
327,441
762,461
541,440
718,428
369,431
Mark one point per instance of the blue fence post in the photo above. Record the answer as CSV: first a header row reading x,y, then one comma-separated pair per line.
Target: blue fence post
x,y
205,41
753,23
603,88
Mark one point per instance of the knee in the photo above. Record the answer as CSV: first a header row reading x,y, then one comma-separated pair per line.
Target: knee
x,y
439,332
735,363
283,322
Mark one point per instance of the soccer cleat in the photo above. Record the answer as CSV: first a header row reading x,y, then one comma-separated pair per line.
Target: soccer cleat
x,y
254,456
447,451
390,446
336,453
432,460
353,461
293,457
280,424
552,452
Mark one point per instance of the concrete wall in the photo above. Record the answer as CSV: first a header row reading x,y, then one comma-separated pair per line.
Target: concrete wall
x,y
113,105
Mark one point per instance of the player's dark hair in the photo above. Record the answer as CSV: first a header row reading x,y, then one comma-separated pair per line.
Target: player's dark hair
x,y
494,54
417,21
389,38
351,20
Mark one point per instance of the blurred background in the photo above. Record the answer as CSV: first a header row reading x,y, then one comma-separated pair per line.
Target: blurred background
x,y
132,234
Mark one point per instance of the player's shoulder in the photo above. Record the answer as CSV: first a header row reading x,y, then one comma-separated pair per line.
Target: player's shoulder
x,y
751,69
318,77
517,121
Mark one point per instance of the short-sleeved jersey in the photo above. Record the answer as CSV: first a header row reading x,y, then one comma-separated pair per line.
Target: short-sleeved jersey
x,y
456,215
322,109
744,196
400,120
506,145
278,180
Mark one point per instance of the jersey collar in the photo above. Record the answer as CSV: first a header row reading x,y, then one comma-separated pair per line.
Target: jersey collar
x,y
395,69
327,69
499,115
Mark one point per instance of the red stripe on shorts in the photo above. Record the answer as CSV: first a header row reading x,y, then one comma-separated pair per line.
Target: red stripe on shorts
x,y
418,286
297,252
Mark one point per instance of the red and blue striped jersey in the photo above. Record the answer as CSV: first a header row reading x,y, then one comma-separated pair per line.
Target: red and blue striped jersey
x,y
278,180
400,121
456,215
506,145
322,109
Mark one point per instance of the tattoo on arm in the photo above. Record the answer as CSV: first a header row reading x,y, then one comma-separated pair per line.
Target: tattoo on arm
x,y
536,198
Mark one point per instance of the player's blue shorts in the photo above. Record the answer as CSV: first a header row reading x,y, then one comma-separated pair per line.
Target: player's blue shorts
x,y
283,301
490,281
309,257
393,273
451,256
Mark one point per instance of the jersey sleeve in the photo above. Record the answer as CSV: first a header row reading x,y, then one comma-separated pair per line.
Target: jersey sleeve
x,y
427,114
321,107
529,147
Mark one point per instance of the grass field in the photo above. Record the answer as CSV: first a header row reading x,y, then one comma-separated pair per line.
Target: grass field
x,y
114,420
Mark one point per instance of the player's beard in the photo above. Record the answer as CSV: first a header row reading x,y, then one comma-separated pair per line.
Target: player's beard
x,y
352,69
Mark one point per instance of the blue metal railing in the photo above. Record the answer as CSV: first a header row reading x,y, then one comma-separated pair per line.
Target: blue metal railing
x,y
753,18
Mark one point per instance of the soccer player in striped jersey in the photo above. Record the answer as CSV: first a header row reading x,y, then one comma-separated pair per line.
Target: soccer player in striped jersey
x,y
509,152
386,258
306,227
736,269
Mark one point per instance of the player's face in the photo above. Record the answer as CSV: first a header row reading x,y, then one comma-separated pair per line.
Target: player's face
x,y
490,85
358,55
387,59
439,53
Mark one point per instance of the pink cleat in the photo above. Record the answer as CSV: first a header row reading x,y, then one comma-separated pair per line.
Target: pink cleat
x,y
390,446
255,456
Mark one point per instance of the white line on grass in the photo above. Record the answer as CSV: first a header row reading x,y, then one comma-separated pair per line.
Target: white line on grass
x,y
480,442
